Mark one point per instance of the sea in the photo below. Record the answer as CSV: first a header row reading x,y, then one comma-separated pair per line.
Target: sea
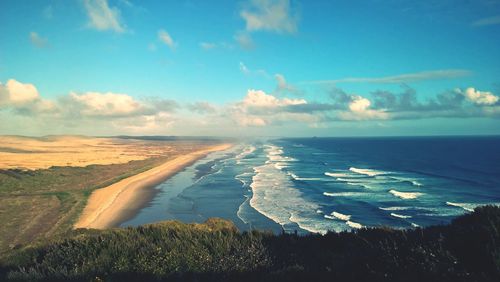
x,y
316,185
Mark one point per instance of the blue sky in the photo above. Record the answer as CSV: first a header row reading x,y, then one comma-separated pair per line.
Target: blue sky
x,y
256,67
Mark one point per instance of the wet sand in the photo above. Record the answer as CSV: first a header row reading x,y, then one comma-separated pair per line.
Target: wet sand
x,y
108,207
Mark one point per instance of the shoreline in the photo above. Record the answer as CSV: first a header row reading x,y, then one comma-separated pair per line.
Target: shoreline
x,y
109,206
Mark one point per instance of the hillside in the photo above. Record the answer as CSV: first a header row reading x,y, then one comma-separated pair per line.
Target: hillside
x,y
468,249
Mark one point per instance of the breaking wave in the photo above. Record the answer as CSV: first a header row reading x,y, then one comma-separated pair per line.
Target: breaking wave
x,y
344,217
369,172
406,195
400,215
353,224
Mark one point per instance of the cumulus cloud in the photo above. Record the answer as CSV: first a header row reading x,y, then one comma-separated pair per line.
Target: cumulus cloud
x,y
270,15
401,78
359,109
121,113
106,104
166,39
258,109
17,93
456,103
479,97
23,98
109,112
359,104
258,98
96,104
146,124
103,17
37,40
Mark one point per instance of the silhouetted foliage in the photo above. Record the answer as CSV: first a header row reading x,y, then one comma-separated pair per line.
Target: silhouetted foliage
x,y
468,249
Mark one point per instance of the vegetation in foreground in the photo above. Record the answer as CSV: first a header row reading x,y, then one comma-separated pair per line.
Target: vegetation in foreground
x,y
468,249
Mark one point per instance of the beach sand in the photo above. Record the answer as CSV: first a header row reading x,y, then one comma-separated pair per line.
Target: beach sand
x,y
108,207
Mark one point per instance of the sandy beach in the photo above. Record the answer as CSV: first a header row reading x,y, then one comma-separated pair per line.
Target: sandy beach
x,y
108,206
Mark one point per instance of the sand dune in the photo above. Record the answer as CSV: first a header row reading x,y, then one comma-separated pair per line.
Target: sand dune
x,y
109,206
29,153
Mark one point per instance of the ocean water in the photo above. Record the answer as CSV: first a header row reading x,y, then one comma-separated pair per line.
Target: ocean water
x,y
321,184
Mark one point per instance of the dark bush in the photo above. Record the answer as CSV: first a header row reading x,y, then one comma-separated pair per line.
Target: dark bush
x,y
468,249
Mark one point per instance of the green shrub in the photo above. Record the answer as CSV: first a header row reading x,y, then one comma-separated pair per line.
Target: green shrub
x,y
468,249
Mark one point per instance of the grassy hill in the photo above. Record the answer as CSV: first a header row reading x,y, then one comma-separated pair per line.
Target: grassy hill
x,y
468,249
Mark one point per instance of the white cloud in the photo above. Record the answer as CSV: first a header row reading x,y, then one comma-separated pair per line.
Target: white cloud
x,y
24,98
102,16
487,21
270,15
165,37
106,104
360,110
37,40
259,109
479,97
146,124
258,98
359,104
17,93
257,112
401,78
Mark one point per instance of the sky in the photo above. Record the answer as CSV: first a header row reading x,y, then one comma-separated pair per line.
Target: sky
x,y
250,68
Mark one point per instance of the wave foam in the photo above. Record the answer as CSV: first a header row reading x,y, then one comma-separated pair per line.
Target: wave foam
x,y
342,194
295,177
344,217
466,206
337,174
365,171
246,151
400,215
406,195
353,224
394,208
413,181
275,196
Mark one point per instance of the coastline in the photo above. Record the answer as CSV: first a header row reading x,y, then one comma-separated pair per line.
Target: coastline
x,y
109,206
